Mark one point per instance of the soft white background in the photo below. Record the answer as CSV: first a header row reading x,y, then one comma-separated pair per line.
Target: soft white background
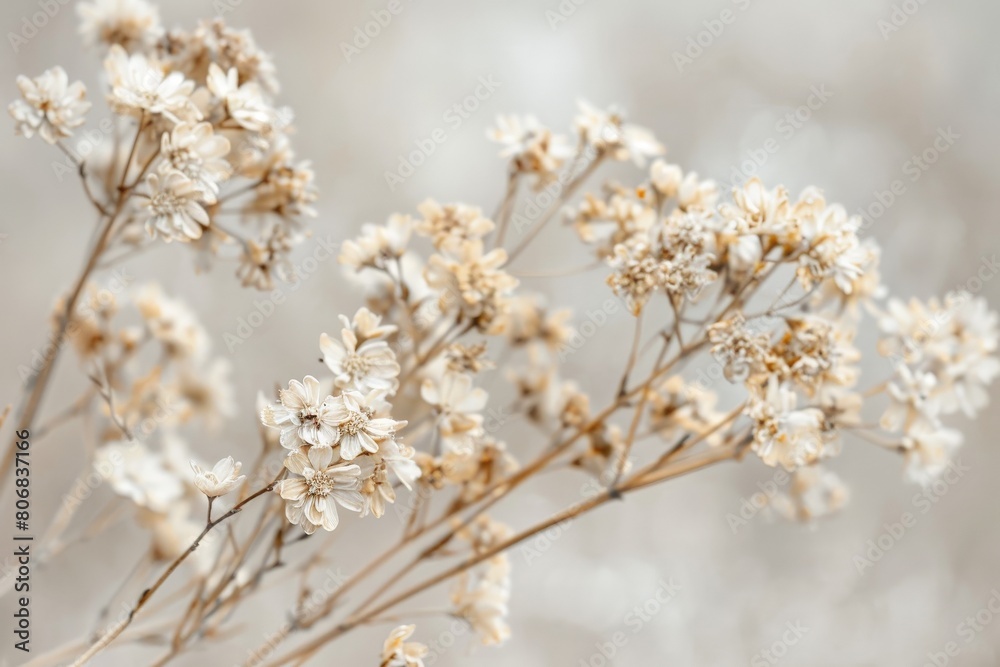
x,y
890,96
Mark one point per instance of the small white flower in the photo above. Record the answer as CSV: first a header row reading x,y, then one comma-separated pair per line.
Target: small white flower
x,y
459,405
244,103
378,244
358,427
376,487
481,599
928,451
783,435
911,393
51,105
607,131
399,459
139,86
313,495
303,415
173,207
220,480
531,147
139,474
359,360
397,652
198,153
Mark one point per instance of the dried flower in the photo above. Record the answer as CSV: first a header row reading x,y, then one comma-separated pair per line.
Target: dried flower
x,y
173,207
303,415
51,105
397,652
220,480
313,494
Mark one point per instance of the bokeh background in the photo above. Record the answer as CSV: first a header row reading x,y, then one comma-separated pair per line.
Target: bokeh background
x,y
889,94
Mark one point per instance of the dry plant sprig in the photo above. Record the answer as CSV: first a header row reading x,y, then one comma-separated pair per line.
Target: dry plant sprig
x,y
402,415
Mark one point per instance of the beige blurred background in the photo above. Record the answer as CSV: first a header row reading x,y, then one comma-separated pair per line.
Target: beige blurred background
x,y
889,94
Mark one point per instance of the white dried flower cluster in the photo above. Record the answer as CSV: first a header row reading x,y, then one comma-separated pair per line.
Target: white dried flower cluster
x,y
799,366
340,434
196,136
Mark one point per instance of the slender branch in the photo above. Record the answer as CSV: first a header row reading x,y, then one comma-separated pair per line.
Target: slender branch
x,y
118,628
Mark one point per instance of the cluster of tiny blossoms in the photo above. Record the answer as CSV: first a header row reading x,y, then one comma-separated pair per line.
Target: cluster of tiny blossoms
x,y
341,448
195,150
154,378
449,350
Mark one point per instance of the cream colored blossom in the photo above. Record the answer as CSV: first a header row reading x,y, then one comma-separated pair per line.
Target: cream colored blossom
x,y
139,475
52,106
220,480
198,153
397,652
472,281
531,147
358,426
782,434
304,415
361,361
173,207
608,132
458,404
312,495
739,347
378,245
449,226
245,103
139,86
928,451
